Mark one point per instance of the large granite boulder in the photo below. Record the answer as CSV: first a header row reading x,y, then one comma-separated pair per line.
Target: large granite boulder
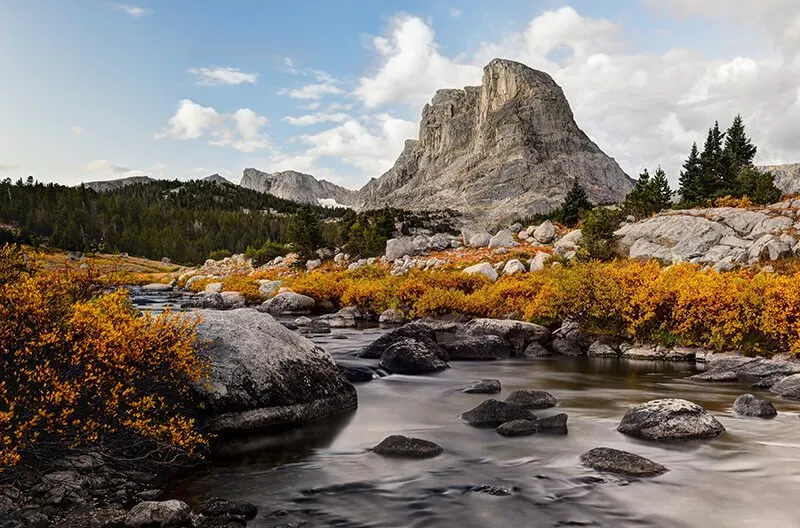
x,y
397,248
503,239
478,348
545,232
265,376
669,419
288,303
788,387
763,373
749,405
518,334
484,268
410,356
416,330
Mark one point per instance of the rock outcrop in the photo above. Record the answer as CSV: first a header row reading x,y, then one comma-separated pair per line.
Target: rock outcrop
x,y
298,187
113,185
508,147
787,177
264,375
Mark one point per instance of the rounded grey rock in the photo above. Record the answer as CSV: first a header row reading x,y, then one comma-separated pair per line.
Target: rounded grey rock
x,y
407,447
409,356
517,428
669,419
488,386
492,413
532,399
621,462
749,405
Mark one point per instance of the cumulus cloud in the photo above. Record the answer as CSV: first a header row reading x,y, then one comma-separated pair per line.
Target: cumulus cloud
x,y
109,169
241,130
132,10
315,119
218,75
641,108
312,91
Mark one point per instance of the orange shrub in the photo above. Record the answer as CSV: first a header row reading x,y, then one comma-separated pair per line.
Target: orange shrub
x,y
80,367
245,285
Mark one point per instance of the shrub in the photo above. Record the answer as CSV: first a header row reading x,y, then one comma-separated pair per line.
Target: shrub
x,y
83,367
599,241
269,251
220,254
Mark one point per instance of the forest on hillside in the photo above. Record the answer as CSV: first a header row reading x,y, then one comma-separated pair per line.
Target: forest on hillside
x,y
185,221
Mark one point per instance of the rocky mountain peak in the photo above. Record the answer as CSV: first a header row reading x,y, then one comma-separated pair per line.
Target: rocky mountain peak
x,y
297,186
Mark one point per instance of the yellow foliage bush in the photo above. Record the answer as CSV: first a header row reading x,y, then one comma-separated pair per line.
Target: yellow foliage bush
x,y
247,286
79,366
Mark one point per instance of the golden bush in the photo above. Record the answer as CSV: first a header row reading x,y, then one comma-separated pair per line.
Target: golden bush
x,y
80,366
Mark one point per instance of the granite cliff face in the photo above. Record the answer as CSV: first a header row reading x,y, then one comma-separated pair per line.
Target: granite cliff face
x,y
787,177
507,148
299,187
113,185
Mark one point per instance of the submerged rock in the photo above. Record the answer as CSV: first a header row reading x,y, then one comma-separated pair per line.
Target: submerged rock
x,y
749,405
409,356
407,447
264,375
669,419
489,386
492,413
517,428
621,462
477,348
532,399
517,333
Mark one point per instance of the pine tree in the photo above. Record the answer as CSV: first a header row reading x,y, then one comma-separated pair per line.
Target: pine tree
x,y
304,232
662,193
711,162
737,154
574,204
691,184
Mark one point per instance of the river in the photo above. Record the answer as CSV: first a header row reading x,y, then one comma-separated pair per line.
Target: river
x,y
323,474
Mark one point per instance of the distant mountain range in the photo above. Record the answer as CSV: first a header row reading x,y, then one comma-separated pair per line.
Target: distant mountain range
x,y
113,185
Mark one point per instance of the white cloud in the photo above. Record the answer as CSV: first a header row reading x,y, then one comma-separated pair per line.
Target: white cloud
x,y
4,167
315,119
76,130
109,169
242,130
641,108
312,91
132,10
216,76
455,12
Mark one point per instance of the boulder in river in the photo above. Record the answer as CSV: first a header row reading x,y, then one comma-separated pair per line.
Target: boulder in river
x,y
407,447
492,413
392,316
669,419
788,387
556,424
477,348
761,372
288,303
749,405
265,376
487,386
157,287
147,514
621,462
517,428
517,333
417,331
532,399
410,356
217,507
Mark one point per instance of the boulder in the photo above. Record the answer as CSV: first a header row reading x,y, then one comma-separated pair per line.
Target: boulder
x,y
232,299
313,264
477,348
603,350
439,242
392,316
167,514
478,240
621,462
340,319
532,399
211,301
788,387
397,248
410,356
556,424
407,447
264,375
539,260
488,386
213,287
568,242
288,303
269,288
157,287
761,372
749,405
669,419
517,333
537,350
517,428
484,268
217,507
515,227
492,413
545,232
513,267
503,239
417,331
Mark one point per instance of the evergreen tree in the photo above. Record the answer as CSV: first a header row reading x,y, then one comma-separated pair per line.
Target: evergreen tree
x,y
711,162
304,232
758,186
738,146
691,179
574,204
662,193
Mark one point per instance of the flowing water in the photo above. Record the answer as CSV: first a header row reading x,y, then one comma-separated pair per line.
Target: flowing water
x,y
324,475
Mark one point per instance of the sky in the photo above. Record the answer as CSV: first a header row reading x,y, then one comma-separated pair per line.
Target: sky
x,y
93,90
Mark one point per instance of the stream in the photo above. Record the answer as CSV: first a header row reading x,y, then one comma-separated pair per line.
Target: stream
x,y
324,475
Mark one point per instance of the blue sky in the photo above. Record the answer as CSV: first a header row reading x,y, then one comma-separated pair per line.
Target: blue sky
x,y
180,89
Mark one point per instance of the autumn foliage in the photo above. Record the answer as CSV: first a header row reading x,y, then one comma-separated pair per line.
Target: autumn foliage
x,y
747,311
80,366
